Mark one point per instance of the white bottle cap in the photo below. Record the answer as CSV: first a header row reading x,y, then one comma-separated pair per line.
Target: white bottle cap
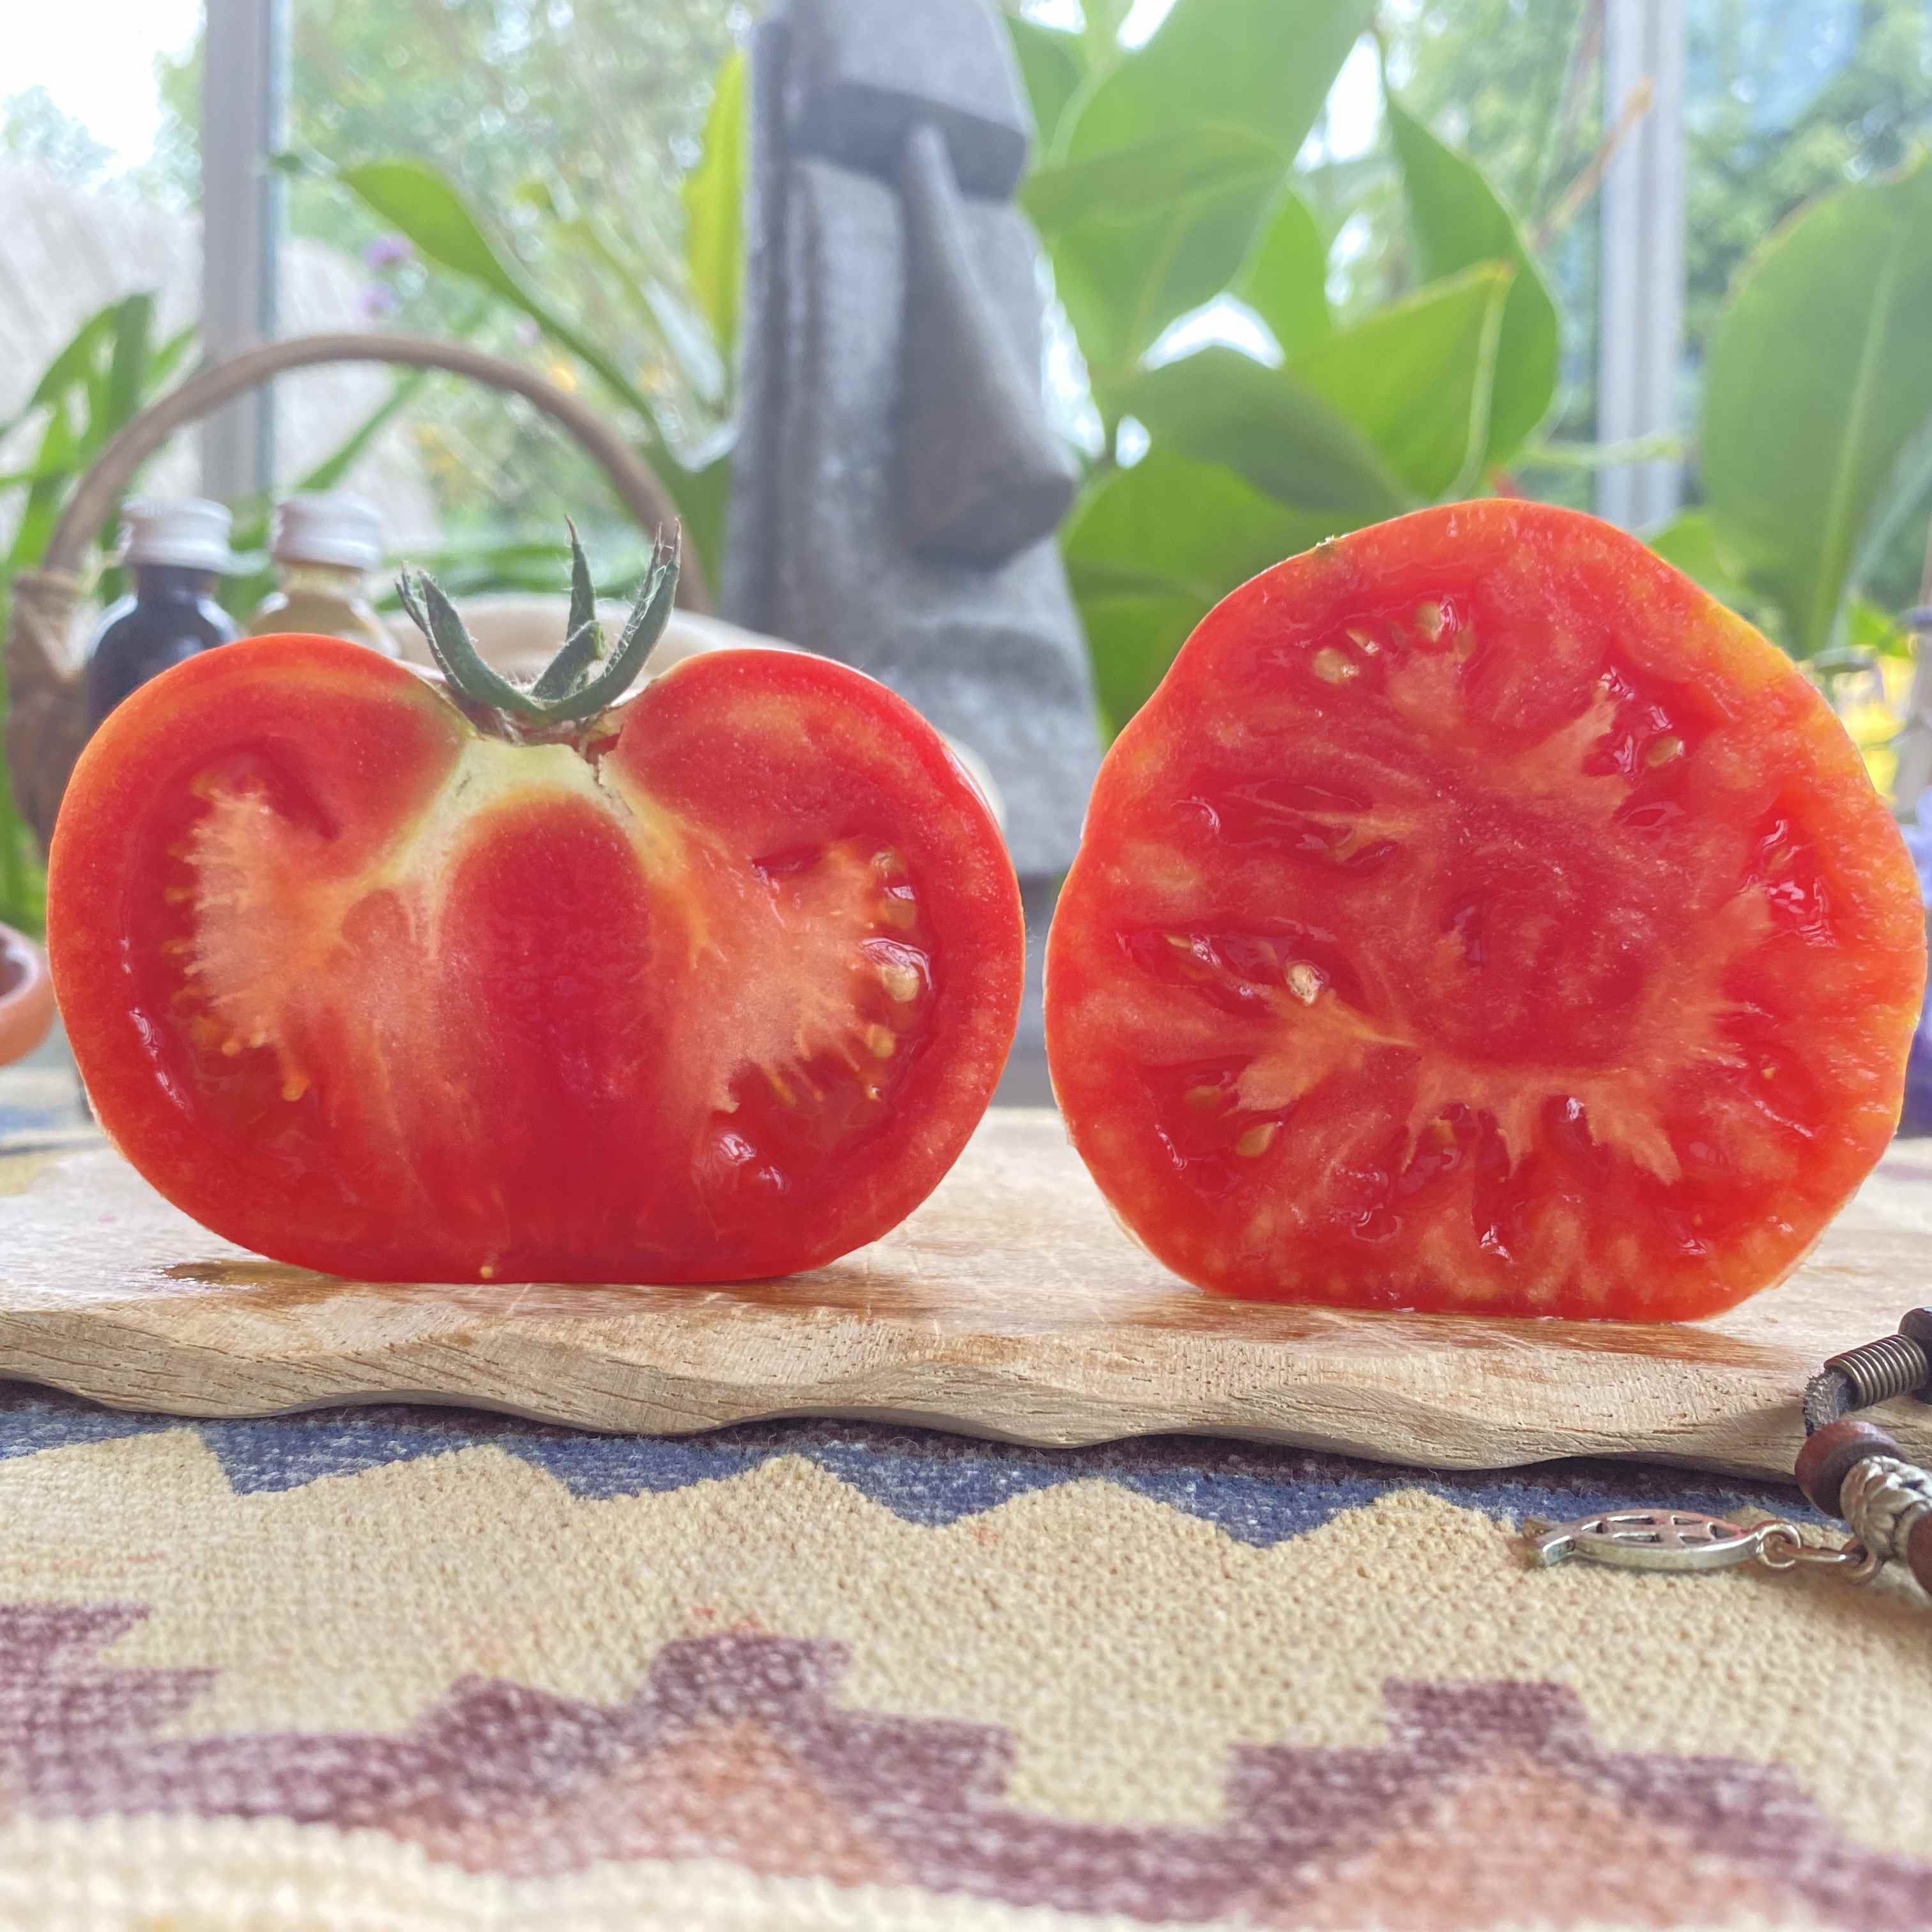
x,y
336,528
189,532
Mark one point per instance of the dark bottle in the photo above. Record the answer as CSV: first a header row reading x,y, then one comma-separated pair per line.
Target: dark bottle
x,y
177,552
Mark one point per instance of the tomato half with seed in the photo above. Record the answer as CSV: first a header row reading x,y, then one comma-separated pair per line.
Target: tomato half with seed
x,y
713,986
1480,917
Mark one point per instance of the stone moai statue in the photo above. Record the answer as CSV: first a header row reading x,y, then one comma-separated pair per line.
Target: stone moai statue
x,y
897,487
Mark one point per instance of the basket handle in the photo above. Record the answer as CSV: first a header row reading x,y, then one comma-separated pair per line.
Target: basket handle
x,y
115,468
46,723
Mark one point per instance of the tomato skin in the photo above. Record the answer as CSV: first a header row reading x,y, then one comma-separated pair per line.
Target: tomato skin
x,y
718,994
1479,917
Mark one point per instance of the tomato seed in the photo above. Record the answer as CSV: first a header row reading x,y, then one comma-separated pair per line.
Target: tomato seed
x,y
1258,1139
1663,750
1332,667
1305,983
901,982
881,1043
1203,1099
1429,620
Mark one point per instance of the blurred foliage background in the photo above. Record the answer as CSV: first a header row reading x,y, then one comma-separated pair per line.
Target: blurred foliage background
x,y
1352,273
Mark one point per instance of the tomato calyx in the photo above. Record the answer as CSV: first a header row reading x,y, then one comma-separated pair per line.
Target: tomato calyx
x,y
580,684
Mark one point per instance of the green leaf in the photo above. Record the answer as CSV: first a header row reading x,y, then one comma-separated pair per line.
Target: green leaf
x,y
55,461
1692,543
1118,187
1457,221
714,203
1141,236
1284,280
1875,633
1051,69
1414,378
1286,438
75,365
1131,637
703,494
1265,65
420,203
415,200
1817,379
1104,19
127,370
1905,498
1151,550
170,355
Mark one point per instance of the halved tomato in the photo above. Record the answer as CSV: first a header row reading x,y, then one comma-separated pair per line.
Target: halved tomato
x,y
713,986
1480,917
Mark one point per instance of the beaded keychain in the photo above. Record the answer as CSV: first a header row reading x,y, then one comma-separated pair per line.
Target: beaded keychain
x,y
1850,1469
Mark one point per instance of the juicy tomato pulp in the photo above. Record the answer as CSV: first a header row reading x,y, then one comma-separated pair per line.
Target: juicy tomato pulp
x,y
720,995
1480,917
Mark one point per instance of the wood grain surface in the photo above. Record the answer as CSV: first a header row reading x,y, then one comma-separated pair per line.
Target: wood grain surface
x,y
1010,1306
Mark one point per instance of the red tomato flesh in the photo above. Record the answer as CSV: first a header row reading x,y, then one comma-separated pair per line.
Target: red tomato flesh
x,y
1480,917
719,995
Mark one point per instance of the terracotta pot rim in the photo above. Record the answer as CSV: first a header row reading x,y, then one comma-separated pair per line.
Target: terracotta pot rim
x,y
26,995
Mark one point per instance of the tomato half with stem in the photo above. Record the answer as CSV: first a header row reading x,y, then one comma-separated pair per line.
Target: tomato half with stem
x,y
371,977
1480,917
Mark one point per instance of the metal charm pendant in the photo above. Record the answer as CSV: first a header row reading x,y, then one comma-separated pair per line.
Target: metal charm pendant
x,y
1646,1539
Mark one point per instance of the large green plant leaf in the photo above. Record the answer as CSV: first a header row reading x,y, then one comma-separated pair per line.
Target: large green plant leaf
x,y
1266,65
1051,68
1140,236
714,201
1288,439
1284,280
1414,378
1818,377
1150,551
1458,221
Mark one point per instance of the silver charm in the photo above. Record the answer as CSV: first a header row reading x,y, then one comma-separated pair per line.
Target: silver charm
x,y
1682,1540
1646,1539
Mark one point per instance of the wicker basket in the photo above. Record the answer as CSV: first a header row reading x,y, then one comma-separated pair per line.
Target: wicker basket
x,y
46,722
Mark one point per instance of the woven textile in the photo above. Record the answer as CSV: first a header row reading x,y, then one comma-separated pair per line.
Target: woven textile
x,y
420,1669
415,1668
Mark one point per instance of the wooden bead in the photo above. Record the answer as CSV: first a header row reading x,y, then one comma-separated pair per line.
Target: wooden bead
x,y
1918,1552
1827,1458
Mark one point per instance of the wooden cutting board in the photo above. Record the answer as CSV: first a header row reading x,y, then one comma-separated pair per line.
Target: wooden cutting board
x,y
1010,1306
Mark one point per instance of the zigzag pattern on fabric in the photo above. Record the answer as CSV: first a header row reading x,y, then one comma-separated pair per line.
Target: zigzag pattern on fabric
x,y
1258,1495
734,1747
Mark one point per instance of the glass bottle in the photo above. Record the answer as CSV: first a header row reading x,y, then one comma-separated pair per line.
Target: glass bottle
x,y
177,551
325,546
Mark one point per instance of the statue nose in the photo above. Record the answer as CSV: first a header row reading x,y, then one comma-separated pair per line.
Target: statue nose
x,y
981,475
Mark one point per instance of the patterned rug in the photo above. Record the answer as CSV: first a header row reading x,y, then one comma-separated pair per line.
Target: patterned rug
x,y
423,1669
